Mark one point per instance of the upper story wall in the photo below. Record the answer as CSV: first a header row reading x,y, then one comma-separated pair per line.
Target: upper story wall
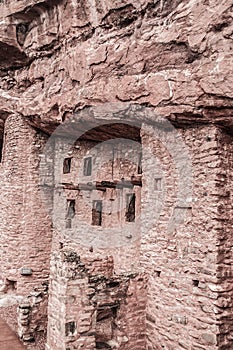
x,y
97,199
24,211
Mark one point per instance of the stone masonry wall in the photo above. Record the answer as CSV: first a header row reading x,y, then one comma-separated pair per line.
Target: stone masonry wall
x,y
25,217
102,60
32,318
91,311
115,236
25,224
185,249
182,259
179,237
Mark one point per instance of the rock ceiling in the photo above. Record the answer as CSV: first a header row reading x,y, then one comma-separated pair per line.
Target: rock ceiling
x,y
58,57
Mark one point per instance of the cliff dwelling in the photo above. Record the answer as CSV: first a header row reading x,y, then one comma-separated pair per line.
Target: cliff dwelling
x,y
116,159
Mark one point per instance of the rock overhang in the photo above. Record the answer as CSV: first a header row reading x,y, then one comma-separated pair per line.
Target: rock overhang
x,y
166,56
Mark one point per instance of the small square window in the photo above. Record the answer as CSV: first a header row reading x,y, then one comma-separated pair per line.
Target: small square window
x,y
67,165
70,328
87,170
130,207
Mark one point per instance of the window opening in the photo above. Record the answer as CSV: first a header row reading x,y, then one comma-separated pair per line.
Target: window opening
x,y
140,164
130,207
70,213
158,184
70,328
67,165
11,285
87,170
97,213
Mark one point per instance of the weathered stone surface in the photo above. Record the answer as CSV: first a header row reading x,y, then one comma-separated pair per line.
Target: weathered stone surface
x,y
175,57
131,62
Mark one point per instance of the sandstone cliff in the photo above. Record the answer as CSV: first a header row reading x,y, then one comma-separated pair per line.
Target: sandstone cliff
x,y
58,56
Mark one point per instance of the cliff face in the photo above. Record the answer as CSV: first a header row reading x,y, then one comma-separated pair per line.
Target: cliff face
x,y
59,56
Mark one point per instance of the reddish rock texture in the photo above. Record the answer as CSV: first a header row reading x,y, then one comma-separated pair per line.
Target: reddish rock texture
x,y
174,56
135,64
